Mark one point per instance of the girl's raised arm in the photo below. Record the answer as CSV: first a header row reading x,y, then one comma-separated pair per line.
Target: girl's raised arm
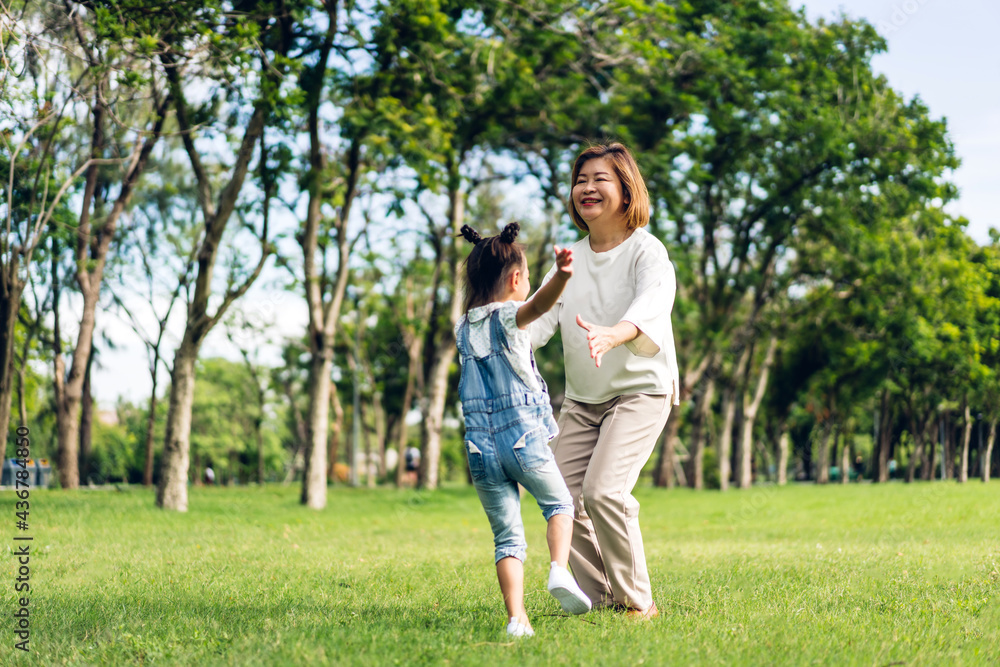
x,y
546,297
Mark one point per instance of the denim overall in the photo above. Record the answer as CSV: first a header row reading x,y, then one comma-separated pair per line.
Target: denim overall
x,y
507,431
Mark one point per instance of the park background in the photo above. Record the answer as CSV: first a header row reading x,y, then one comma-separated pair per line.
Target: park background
x,y
262,200
288,179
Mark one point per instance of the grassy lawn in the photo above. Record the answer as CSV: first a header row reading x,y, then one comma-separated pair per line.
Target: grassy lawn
x,y
866,575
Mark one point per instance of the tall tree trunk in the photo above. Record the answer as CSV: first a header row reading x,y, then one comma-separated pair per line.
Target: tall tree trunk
x,y
444,353
380,430
699,435
317,425
751,405
433,421
845,458
171,492
22,371
258,432
919,431
963,470
766,457
10,302
726,436
823,454
986,457
884,438
70,398
370,469
783,448
22,397
86,420
67,434
324,313
147,473
917,455
927,460
665,476
948,447
59,383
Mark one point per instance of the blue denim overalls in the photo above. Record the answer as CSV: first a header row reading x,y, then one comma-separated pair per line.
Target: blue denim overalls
x,y
507,431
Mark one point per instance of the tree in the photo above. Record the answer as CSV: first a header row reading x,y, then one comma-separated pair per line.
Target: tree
x,y
37,133
987,394
164,241
327,183
753,152
273,37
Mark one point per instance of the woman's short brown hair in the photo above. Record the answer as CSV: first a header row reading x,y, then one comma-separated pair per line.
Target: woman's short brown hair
x,y
635,205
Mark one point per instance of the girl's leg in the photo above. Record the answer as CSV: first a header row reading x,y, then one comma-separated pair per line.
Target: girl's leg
x,y
510,574
502,503
559,534
554,499
562,585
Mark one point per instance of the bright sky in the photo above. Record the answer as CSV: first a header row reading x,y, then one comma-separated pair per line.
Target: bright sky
x,y
946,51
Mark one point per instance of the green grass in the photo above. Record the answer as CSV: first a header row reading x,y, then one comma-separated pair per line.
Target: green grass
x,y
865,575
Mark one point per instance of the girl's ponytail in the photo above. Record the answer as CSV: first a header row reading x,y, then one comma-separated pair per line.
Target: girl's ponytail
x,y
509,232
490,262
471,235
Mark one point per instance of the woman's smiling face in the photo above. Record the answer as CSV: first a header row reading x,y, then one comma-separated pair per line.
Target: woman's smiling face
x,y
597,193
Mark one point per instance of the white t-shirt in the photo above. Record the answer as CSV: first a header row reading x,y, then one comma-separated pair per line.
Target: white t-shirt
x,y
519,354
633,282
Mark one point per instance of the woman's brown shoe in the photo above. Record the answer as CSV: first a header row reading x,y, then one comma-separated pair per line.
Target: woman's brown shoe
x,y
643,615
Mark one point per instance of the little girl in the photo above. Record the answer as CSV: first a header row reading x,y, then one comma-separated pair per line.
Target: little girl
x,y
508,417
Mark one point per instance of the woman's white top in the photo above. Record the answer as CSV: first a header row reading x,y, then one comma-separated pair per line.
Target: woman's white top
x,y
632,282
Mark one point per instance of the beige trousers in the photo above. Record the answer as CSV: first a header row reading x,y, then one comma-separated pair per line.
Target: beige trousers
x,y
600,451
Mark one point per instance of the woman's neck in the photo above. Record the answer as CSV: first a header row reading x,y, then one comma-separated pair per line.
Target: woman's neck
x,y
609,235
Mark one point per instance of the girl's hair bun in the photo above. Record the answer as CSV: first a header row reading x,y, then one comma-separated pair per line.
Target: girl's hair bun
x,y
509,232
470,234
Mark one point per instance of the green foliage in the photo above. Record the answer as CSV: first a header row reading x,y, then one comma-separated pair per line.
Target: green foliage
x,y
41,417
117,454
224,417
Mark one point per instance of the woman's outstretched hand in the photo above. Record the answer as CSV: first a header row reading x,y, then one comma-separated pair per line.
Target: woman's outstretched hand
x,y
601,339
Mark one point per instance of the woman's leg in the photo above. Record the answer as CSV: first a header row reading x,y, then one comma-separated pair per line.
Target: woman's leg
x,y
628,435
579,429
